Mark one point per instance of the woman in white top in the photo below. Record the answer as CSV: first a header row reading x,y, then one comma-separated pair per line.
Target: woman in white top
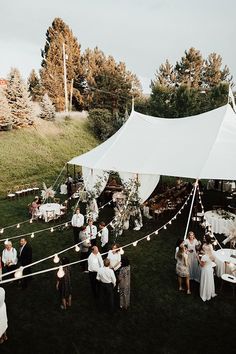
x,y
207,285
114,257
194,269
9,257
3,316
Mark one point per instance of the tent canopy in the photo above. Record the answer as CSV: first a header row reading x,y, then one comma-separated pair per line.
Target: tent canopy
x,y
201,146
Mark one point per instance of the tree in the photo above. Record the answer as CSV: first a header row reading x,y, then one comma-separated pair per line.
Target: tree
x,y
194,85
34,85
19,100
5,112
109,84
48,111
52,71
101,123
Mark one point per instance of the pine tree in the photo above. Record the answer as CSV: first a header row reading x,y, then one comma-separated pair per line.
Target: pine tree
x,y
19,100
34,85
48,111
52,71
5,112
110,84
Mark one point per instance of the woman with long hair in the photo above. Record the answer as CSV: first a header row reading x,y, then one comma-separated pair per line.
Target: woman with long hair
x,y
182,268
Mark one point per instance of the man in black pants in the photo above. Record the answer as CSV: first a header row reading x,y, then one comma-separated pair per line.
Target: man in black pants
x,y
107,279
25,258
77,222
95,262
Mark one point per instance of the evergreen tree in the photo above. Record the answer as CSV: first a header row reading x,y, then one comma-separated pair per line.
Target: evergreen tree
x,y
5,112
109,84
35,87
19,100
48,111
52,70
194,85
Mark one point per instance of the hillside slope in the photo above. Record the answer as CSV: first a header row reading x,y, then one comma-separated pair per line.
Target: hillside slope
x,y
39,153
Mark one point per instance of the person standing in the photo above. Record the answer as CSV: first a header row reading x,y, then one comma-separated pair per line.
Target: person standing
x,y
192,243
92,232
9,257
25,258
84,248
114,257
3,317
63,285
207,285
182,267
77,222
107,279
124,283
95,262
104,234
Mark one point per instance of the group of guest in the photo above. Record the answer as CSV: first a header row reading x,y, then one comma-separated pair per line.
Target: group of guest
x,y
194,261
11,259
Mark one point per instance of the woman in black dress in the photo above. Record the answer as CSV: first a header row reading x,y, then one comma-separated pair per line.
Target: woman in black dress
x,y
63,285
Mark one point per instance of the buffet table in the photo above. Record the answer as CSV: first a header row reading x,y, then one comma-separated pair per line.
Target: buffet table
x,y
220,221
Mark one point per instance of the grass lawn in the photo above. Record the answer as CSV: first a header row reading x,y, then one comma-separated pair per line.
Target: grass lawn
x,y
160,319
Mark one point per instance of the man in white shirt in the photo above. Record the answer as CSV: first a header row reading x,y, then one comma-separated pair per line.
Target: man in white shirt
x,y
104,234
91,232
95,262
77,222
107,279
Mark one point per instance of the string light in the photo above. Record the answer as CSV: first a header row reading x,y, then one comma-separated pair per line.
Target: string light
x,y
52,229
135,243
31,221
164,227
60,272
156,232
1,231
66,224
6,241
122,251
32,235
18,226
148,238
170,222
77,249
18,273
56,259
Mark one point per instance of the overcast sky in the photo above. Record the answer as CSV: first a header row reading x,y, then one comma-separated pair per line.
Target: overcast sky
x,y
142,33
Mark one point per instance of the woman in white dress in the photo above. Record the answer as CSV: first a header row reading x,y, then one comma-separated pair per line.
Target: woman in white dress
x,y
3,317
182,268
207,247
207,285
194,269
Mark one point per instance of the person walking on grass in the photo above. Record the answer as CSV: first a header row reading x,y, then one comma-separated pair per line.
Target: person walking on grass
x,y
63,285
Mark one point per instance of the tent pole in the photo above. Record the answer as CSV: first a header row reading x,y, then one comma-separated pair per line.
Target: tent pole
x,y
191,208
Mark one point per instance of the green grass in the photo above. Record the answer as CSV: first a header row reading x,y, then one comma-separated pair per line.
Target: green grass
x,y
160,319
39,153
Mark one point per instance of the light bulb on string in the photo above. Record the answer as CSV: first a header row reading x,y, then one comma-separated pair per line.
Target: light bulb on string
x,y
18,273
1,231
135,243
122,251
31,221
164,227
77,249
56,259
18,226
174,217
32,235
60,272
6,241
148,238
52,229
180,212
156,232
170,222
66,224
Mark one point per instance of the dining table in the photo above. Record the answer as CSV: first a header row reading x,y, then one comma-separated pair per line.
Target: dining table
x,y
50,211
225,259
220,221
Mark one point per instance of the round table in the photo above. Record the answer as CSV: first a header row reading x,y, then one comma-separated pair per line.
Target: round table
x,y
219,225
225,260
50,211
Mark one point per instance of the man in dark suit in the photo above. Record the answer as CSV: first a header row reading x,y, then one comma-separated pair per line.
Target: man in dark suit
x,y
25,258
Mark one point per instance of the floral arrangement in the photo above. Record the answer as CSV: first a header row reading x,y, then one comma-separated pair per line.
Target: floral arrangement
x,y
225,214
47,192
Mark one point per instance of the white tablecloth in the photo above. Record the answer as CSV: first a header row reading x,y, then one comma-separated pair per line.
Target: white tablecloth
x,y
50,211
219,225
225,255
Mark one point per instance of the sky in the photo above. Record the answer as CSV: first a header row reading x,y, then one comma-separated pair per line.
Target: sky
x,y
142,33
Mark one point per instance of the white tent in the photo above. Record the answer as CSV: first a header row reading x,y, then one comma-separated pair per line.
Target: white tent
x,y
201,146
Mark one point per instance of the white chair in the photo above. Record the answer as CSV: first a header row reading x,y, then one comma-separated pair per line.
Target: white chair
x,y
10,194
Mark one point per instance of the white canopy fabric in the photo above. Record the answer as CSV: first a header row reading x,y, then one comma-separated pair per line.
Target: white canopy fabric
x,y
201,146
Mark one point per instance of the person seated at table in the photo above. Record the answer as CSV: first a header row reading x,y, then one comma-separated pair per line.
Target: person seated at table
x,y
34,208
